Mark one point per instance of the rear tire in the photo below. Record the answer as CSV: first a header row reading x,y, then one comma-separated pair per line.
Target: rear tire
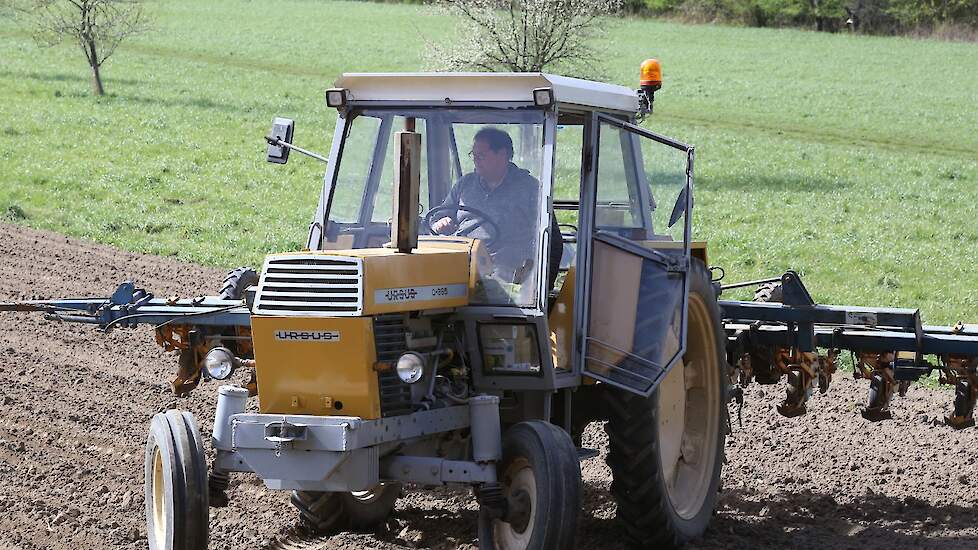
x,y
541,473
237,282
328,513
666,451
175,484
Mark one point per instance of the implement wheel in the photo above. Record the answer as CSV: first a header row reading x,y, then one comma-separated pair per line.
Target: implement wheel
x,y
176,484
666,451
326,513
541,478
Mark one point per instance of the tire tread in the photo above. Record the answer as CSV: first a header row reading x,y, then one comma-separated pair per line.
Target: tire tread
x,y
644,511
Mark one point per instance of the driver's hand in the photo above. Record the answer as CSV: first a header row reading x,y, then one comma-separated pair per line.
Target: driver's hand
x,y
443,226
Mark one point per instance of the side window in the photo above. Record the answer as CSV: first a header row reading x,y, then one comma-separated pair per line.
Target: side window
x,y
619,195
662,171
639,183
354,169
567,171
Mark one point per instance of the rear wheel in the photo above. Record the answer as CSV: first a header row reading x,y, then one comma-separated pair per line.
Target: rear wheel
x,y
666,451
328,513
541,477
175,484
236,282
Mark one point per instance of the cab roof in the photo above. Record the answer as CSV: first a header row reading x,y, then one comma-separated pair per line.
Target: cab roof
x,y
446,88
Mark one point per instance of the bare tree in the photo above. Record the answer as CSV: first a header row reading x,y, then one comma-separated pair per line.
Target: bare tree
x,y
98,26
523,35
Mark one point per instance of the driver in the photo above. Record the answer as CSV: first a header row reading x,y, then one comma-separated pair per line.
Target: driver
x,y
507,194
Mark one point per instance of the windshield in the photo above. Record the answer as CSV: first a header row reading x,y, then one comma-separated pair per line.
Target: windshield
x,y
480,178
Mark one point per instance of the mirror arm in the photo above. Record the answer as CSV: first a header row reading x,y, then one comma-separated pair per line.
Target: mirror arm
x,y
279,143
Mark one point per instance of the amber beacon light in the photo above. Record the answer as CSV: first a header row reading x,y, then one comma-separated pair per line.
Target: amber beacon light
x,y
650,80
651,75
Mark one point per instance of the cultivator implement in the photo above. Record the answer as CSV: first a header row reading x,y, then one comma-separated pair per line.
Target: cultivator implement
x,y
768,341
191,326
129,306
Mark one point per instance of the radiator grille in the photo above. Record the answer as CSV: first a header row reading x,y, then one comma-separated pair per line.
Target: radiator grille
x,y
311,285
390,340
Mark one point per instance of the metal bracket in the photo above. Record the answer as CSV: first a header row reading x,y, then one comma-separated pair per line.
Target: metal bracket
x,y
793,291
284,431
436,471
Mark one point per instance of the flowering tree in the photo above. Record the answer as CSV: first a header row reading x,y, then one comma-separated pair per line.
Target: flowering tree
x,y
523,35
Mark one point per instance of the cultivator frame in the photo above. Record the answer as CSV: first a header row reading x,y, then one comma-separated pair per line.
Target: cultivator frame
x,y
768,341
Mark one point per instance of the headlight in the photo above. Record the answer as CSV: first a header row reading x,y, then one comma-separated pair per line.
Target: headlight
x,y
410,368
219,363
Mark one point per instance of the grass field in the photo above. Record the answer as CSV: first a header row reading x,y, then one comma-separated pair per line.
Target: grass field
x,y
851,159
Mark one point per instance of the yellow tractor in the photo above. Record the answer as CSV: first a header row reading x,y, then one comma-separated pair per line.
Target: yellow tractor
x,y
496,261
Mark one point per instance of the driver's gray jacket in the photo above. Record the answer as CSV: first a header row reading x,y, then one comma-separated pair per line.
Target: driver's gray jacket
x,y
512,206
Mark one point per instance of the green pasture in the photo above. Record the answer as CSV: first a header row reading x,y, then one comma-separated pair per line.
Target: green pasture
x,y
851,159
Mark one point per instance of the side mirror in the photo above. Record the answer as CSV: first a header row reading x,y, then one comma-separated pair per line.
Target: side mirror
x,y
679,208
282,129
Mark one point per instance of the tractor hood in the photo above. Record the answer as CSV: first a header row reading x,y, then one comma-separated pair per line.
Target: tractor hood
x,y
366,281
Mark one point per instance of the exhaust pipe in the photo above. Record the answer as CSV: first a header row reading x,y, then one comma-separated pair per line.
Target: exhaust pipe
x,y
407,185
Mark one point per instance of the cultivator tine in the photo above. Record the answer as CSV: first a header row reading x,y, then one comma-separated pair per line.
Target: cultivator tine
x,y
877,367
827,367
960,371
801,369
745,372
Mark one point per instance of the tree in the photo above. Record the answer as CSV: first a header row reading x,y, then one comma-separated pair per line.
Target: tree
x,y
98,26
523,35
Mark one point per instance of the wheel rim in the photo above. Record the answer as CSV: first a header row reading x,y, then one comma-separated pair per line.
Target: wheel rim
x,y
159,497
689,415
517,477
370,495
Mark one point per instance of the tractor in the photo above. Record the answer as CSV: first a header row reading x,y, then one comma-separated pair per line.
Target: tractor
x,y
495,261
393,352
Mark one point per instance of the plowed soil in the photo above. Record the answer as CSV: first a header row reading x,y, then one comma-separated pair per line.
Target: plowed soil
x,y
75,405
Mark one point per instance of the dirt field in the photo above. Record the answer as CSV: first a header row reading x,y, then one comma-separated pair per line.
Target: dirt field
x,y
75,406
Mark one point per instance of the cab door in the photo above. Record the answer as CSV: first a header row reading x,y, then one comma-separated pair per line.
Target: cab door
x,y
634,254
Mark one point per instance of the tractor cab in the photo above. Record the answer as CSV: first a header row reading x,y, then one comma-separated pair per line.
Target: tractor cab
x,y
575,218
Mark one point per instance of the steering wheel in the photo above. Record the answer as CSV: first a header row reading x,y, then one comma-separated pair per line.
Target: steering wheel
x,y
477,219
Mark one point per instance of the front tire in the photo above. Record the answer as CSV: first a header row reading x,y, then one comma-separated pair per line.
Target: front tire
x,y
175,484
329,513
541,477
666,451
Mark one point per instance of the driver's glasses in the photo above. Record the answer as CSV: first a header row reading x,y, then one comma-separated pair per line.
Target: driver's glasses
x,y
478,157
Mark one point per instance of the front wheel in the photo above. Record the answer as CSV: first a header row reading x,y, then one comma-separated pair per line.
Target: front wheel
x,y
541,477
666,451
175,484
